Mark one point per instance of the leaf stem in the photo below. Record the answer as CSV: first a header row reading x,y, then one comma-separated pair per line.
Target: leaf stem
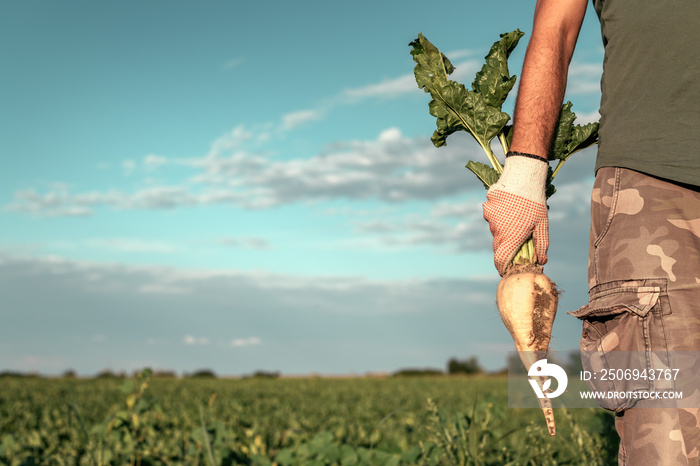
x,y
561,161
492,158
504,142
526,253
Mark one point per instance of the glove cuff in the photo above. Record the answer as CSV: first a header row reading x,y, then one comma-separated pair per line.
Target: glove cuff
x,y
524,176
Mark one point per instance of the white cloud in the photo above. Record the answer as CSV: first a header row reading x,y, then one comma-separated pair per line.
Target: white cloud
x,y
292,120
132,245
391,168
192,340
585,118
584,78
51,204
160,197
238,342
247,243
405,84
152,162
469,234
74,211
389,135
229,141
464,72
459,53
389,88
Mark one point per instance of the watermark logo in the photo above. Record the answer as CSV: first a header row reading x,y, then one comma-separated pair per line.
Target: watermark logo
x,y
544,369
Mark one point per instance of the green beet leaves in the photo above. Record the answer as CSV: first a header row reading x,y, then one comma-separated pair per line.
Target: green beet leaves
x,y
486,174
478,110
569,138
493,82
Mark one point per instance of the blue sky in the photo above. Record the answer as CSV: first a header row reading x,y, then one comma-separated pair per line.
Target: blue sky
x,y
243,187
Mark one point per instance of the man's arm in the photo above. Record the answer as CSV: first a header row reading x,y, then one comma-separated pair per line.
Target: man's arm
x,y
543,80
516,206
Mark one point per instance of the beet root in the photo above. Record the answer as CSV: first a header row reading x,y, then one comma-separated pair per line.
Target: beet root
x,y
527,301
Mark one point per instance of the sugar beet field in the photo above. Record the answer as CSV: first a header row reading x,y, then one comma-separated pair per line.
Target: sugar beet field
x,y
312,421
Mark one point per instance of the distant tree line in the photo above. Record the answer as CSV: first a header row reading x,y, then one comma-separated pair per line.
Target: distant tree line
x,y
469,366
571,362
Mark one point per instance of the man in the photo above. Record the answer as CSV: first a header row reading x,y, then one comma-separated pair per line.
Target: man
x,y
644,253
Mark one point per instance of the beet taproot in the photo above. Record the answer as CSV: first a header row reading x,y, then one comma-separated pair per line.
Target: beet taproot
x,y
527,301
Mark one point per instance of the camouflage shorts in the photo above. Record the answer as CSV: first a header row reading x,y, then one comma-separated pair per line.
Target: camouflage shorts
x,y
644,280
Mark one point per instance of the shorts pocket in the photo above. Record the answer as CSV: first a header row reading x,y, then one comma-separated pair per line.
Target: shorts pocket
x,y
606,189
623,339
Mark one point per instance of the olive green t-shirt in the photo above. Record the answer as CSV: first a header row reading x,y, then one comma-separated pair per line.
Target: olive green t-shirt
x,y
650,105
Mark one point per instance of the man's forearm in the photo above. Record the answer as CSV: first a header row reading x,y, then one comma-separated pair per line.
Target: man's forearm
x,y
544,75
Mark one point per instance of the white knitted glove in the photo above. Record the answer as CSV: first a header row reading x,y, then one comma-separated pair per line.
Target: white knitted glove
x,y
516,208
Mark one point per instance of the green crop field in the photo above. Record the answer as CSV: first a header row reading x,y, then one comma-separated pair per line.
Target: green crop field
x,y
279,421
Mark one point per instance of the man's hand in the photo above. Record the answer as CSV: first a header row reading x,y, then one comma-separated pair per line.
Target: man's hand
x,y
516,208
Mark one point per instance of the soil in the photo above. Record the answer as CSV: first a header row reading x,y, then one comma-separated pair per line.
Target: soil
x,y
543,301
